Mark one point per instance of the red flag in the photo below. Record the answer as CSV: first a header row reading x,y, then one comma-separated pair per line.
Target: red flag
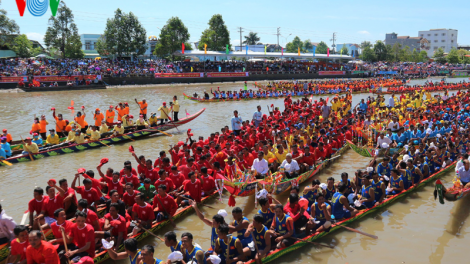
x,y
182,47
282,51
328,52
21,6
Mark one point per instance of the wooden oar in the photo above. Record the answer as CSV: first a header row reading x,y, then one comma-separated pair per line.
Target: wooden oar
x,y
24,144
127,137
171,121
103,143
170,217
359,232
5,162
42,231
151,129
194,200
313,243
150,232
65,244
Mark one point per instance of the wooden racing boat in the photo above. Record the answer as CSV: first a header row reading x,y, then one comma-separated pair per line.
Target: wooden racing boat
x,y
251,187
343,222
66,148
452,194
370,152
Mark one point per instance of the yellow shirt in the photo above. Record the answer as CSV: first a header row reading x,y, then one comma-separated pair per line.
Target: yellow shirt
x,y
269,156
78,139
33,148
141,123
71,135
103,128
53,140
280,157
95,135
127,122
153,120
118,130
176,106
164,112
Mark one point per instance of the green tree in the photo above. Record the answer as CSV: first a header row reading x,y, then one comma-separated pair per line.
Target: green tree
x,y
216,36
125,35
423,56
100,46
404,54
294,45
172,35
308,45
396,48
62,33
23,47
365,44
414,56
368,54
462,58
453,56
439,55
344,50
252,39
322,48
7,27
381,51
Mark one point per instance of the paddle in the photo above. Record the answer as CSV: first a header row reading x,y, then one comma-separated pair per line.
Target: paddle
x,y
313,243
171,121
65,244
2,160
24,144
195,201
42,231
103,143
151,129
360,232
124,135
150,232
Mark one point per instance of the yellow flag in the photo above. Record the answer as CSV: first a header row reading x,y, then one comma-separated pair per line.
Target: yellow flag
x,y
205,48
191,69
298,49
264,49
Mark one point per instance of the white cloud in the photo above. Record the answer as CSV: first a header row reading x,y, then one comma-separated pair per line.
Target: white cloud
x,y
35,36
364,32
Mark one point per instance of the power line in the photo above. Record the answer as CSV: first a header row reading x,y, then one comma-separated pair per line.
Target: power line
x,y
333,39
241,31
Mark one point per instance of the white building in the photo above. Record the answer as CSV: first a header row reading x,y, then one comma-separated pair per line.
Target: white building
x,y
440,38
88,45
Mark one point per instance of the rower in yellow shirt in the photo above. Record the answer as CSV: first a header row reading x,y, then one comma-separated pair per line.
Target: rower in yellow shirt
x,y
175,106
280,154
53,138
118,129
127,120
164,113
94,134
140,123
30,147
78,138
103,128
71,134
153,120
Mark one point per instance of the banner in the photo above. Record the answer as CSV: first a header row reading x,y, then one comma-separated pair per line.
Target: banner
x,y
358,72
387,72
180,75
460,73
443,72
331,73
411,72
227,74
50,78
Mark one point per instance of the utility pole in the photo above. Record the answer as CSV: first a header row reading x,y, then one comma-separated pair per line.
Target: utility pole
x,y
278,34
240,30
333,39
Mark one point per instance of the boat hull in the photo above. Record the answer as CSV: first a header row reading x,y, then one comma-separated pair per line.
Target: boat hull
x,y
370,152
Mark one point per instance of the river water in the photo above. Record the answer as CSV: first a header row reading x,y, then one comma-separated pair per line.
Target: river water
x,y
416,229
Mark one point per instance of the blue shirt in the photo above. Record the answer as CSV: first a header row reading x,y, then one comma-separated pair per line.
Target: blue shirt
x,y
6,147
235,125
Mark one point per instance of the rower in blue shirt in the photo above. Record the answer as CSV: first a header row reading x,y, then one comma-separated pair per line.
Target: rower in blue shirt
x,y
241,224
384,168
191,252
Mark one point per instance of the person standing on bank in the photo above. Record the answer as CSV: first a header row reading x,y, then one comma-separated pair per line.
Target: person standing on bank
x,y
258,116
175,106
236,123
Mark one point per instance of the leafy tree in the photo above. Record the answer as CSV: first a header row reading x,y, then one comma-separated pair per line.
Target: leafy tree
x,y
322,48
414,56
100,46
172,35
294,45
216,36
396,48
439,55
23,47
125,35
365,44
462,57
7,27
381,51
423,56
344,50
62,33
252,39
308,45
368,54
453,56
404,54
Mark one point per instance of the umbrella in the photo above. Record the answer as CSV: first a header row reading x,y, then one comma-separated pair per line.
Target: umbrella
x,y
152,69
97,68
98,58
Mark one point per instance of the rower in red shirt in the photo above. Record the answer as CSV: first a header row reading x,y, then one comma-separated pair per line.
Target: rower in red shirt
x,y
117,223
192,188
61,217
142,212
248,157
348,134
164,205
129,196
307,159
176,177
35,206
112,183
19,245
128,176
87,191
39,251
208,183
159,160
187,168
128,163
164,180
91,217
51,203
83,236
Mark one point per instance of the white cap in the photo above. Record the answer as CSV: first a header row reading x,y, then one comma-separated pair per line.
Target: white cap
x,y
385,145
386,178
106,244
214,259
406,157
222,213
323,186
262,194
370,169
406,147
175,256
351,197
438,135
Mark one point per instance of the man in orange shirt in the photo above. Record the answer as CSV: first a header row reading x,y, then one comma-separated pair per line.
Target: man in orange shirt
x,y
110,114
80,119
61,124
98,117
7,135
121,111
40,251
143,107
43,127
35,128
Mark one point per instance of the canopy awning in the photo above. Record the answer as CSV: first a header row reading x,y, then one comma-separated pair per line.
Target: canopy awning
x,y
251,54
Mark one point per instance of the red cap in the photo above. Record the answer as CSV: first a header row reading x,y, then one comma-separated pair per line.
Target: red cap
x,y
180,143
131,149
35,134
4,130
52,180
53,108
131,116
111,106
126,103
104,161
86,260
164,103
28,138
81,170
66,120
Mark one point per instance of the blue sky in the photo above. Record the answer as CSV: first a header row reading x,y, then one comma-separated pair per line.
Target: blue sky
x,y
353,21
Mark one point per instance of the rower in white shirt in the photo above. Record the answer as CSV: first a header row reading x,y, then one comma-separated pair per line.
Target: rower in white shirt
x,y
260,166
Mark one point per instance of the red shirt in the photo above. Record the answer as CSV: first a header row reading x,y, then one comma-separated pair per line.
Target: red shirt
x,y
208,184
49,206
185,170
128,199
134,179
117,228
168,182
114,186
35,206
82,236
348,135
95,183
177,179
90,195
55,228
248,159
133,172
92,217
310,160
194,189
18,248
294,212
166,202
144,213
174,157
46,253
